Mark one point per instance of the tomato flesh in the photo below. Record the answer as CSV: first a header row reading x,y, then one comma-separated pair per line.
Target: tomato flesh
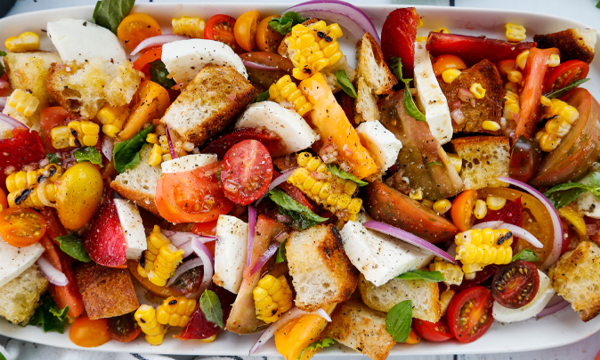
x,y
123,328
398,38
105,240
565,74
470,314
525,159
143,62
480,276
245,29
135,28
199,327
220,146
446,62
516,284
462,209
24,147
436,332
89,333
220,28
21,227
267,39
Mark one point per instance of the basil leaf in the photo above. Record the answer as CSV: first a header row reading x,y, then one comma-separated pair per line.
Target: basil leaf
x,y
564,198
399,320
560,92
211,307
598,5
281,253
284,24
526,255
563,194
411,108
319,344
344,81
2,357
302,215
88,153
126,154
48,316
72,245
110,13
263,96
428,276
2,53
335,170
397,69
53,158
159,74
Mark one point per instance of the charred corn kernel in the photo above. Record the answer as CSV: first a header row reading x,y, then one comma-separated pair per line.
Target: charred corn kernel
x,y
515,32
145,316
112,119
561,116
286,90
28,188
155,157
495,202
421,38
511,105
23,102
515,76
154,242
272,297
167,260
210,339
442,206
574,218
175,311
416,194
189,26
413,338
545,101
477,90
27,41
60,136
453,274
522,59
548,142
313,48
509,86
75,134
456,161
490,125
445,298
32,197
480,209
442,30
554,60
450,75
478,248
428,203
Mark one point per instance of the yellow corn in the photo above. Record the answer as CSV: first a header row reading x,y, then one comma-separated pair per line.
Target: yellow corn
x,y
575,219
167,260
210,339
450,75
27,41
421,38
477,90
272,297
445,298
478,248
419,22
490,125
515,33
189,26
112,119
332,192
23,102
152,138
27,188
75,134
515,76
561,118
480,210
442,30
145,316
495,202
509,86
286,90
511,105
456,161
442,206
545,101
522,59
416,194
452,273
313,48
155,156
428,203
175,311
155,241
554,60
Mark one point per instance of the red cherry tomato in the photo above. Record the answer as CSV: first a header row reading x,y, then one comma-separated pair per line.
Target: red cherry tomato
x,y
525,159
504,66
398,38
565,74
50,118
515,284
220,28
221,145
123,328
143,62
480,276
89,333
470,314
435,332
447,61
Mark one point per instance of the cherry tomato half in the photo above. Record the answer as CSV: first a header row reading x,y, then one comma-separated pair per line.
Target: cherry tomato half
x,y
89,333
245,29
448,61
515,284
3,201
504,66
123,328
136,28
267,39
462,209
143,62
525,159
565,74
470,314
220,28
435,332
480,276
21,227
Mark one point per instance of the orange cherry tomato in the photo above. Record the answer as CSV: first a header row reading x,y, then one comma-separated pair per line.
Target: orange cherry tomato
x,y
267,39
504,66
220,28
445,62
89,333
21,227
3,200
143,62
245,29
136,28
462,209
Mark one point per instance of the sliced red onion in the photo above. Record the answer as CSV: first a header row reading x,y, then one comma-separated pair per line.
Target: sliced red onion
x,y
107,147
179,238
514,229
187,249
271,250
4,84
157,41
408,237
458,116
3,101
258,66
341,12
11,123
558,232
207,260
188,265
553,308
171,147
465,95
54,276
251,230
488,224
282,236
278,181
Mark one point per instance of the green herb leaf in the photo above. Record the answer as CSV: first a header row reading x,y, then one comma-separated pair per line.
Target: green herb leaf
x,y
2,53
88,153
2,357
48,316
263,96
110,13
281,253
72,245
284,24
598,5
564,198
344,81
335,170
126,154
560,92
526,255
397,70
434,163
290,207
159,74
211,307
428,276
399,320
319,344
563,194
411,108
53,158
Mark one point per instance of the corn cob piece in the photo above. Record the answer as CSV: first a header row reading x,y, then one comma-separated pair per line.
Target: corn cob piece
x,y
155,241
175,311
478,248
452,273
112,119
145,316
286,90
272,297
23,102
75,134
561,116
28,188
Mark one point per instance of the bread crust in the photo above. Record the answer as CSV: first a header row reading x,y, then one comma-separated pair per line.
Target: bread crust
x,y
571,45
362,70
485,158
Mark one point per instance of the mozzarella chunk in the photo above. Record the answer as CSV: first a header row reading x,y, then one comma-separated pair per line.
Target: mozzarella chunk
x,y
587,202
15,260
133,228
185,58
380,257
539,302
291,127
430,96
187,163
381,143
230,252
82,40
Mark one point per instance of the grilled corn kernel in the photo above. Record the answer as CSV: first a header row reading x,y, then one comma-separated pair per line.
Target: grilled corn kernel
x,y
456,161
480,210
313,48
515,33
167,260
511,105
175,311
145,316
210,339
515,76
522,59
272,297
445,298
416,194
428,203
575,219
286,90
453,274
442,206
490,125
28,188
495,202
509,86
561,118
189,26
155,157
23,102
477,90
450,75
554,60
27,41
154,242
478,248
112,119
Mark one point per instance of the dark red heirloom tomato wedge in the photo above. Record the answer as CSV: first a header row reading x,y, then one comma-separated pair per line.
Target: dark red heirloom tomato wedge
x,y
221,145
480,276
470,314
199,327
247,171
525,159
220,28
565,74
123,328
398,38
24,147
511,213
436,332
347,104
515,284
105,240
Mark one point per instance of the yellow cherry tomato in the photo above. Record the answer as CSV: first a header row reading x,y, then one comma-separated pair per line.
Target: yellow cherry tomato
x,y
245,28
89,333
78,195
137,27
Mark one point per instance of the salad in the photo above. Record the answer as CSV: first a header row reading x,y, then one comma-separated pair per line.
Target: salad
x,y
245,177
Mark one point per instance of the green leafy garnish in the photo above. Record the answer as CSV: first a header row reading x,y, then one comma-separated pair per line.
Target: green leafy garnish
x,y
159,74
2,53
344,81
284,24
88,153
319,344
434,163
53,158
110,13
281,253
48,316
409,103
263,96
211,307
72,245
526,255
428,276
563,194
126,154
2,357
399,320
598,5
335,170
397,69
298,212
560,92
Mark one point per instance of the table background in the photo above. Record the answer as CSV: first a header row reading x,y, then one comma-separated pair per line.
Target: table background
x,y
584,11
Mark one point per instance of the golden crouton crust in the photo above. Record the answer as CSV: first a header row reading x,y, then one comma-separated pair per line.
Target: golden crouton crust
x,y
28,72
106,292
378,56
20,296
283,47
570,44
334,257
485,158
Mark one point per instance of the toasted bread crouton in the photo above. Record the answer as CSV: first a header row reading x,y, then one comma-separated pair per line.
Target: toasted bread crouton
x,y
106,292
363,329
209,103
485,158
366,103
28,71
85,87
20,296
479,110
574,44
321,272
372,67
139,184
424,296
575,277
